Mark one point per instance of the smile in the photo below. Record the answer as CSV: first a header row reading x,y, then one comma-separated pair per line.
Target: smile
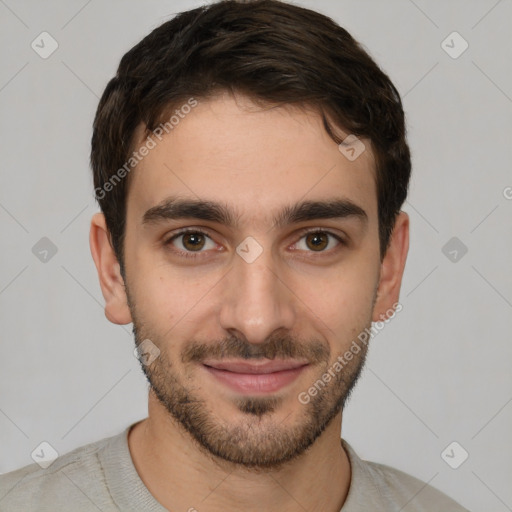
x,y
263,376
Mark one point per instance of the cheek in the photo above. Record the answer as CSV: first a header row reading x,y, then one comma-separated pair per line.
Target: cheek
x,y
336,300
341,303
168,296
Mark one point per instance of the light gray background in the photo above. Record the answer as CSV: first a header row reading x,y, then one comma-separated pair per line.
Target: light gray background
x,y
439,372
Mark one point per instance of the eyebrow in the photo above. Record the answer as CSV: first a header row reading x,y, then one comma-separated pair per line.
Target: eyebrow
x,y
174,208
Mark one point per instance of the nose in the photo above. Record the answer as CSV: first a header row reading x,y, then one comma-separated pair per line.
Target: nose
x,y
257,298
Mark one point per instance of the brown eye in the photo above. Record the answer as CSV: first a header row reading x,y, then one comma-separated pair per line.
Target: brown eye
x,y
193,241
190,243
317,241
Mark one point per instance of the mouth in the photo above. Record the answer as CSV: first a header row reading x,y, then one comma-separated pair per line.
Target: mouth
x,y
263,376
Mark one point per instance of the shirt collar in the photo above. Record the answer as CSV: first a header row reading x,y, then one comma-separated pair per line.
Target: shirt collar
x,y
129,492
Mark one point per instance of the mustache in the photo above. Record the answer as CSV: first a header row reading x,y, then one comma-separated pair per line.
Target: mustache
x,y
276,347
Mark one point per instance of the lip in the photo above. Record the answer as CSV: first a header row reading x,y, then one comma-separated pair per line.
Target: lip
x,y
264,376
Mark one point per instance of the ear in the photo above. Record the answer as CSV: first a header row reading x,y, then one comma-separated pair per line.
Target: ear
x,y
109,273
392,269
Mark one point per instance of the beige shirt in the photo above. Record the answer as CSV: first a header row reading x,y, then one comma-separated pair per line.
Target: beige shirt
x,y
101,476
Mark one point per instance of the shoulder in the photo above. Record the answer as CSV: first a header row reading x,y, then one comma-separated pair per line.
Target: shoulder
x,y
74,480
389,487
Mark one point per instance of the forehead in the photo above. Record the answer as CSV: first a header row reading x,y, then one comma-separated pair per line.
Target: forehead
x,y
231,151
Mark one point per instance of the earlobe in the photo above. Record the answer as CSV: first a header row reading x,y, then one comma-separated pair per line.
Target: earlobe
x,y
392,269
107,266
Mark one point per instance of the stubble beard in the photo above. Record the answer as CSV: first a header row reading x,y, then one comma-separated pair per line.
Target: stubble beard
x,y
257,441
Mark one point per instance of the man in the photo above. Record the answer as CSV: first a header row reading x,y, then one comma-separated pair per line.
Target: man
x,y
250,162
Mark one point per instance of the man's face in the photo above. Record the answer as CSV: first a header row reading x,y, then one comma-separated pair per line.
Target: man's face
x,y
248,315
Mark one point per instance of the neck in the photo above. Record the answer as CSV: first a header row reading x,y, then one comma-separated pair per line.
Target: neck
x,y
182,476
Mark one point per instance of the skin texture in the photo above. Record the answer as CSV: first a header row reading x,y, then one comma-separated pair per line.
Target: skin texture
x,y
203,444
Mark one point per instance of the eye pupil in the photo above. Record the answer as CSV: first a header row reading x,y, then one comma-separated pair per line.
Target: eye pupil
x,y
199,241
194,241
315,238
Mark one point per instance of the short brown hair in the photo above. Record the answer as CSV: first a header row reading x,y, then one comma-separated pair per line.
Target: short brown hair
x,y
271,51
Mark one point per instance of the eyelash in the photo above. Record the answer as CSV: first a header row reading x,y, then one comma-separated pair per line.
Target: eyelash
x,y
188,254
